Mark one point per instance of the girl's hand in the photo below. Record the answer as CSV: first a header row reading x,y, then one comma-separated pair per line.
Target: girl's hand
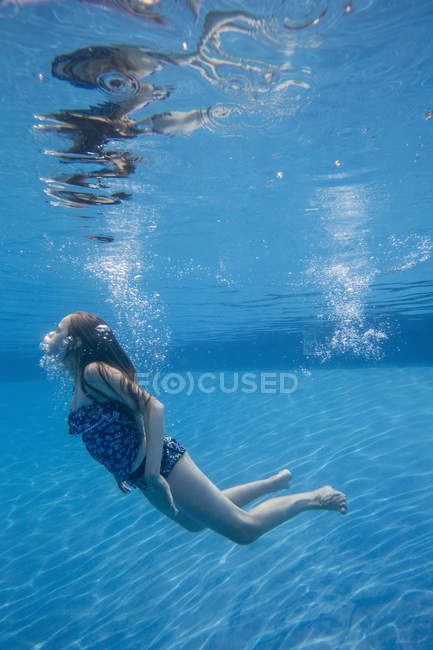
x,y
157,483
123,486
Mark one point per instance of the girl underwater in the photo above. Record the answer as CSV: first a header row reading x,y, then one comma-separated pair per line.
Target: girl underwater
x,y
122,427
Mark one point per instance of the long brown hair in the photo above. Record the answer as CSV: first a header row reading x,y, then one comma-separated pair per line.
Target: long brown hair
x,y
98,343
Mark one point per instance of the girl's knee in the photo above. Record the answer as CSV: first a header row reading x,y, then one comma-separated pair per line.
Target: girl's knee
x,y
192,527
244,540
245,534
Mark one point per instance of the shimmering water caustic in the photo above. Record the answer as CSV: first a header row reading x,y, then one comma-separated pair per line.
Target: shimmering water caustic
x,y
122,575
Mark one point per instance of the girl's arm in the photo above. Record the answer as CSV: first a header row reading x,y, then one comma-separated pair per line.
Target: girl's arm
x,y
155,426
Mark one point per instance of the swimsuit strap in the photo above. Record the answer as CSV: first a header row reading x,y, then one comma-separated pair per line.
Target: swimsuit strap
x,y
105,397
92,397
120,405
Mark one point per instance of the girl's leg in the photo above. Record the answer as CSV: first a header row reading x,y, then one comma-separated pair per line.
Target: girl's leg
x,y
239,494
243,494
197,497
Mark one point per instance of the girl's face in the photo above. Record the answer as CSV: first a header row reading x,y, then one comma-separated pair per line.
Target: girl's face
x,y
56,343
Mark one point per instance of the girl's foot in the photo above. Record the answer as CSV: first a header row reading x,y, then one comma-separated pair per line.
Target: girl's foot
x,y
281,481
326,498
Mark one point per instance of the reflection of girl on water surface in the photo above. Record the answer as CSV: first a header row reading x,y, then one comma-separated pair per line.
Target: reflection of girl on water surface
x,y
122,427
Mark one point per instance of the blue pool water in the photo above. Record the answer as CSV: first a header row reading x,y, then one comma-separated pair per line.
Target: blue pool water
x,y
234,189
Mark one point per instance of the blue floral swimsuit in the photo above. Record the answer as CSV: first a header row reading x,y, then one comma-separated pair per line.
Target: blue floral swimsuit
x,y
112,438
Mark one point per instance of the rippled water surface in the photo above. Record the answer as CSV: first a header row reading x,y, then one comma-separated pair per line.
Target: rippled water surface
x,y
203,168
233,186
